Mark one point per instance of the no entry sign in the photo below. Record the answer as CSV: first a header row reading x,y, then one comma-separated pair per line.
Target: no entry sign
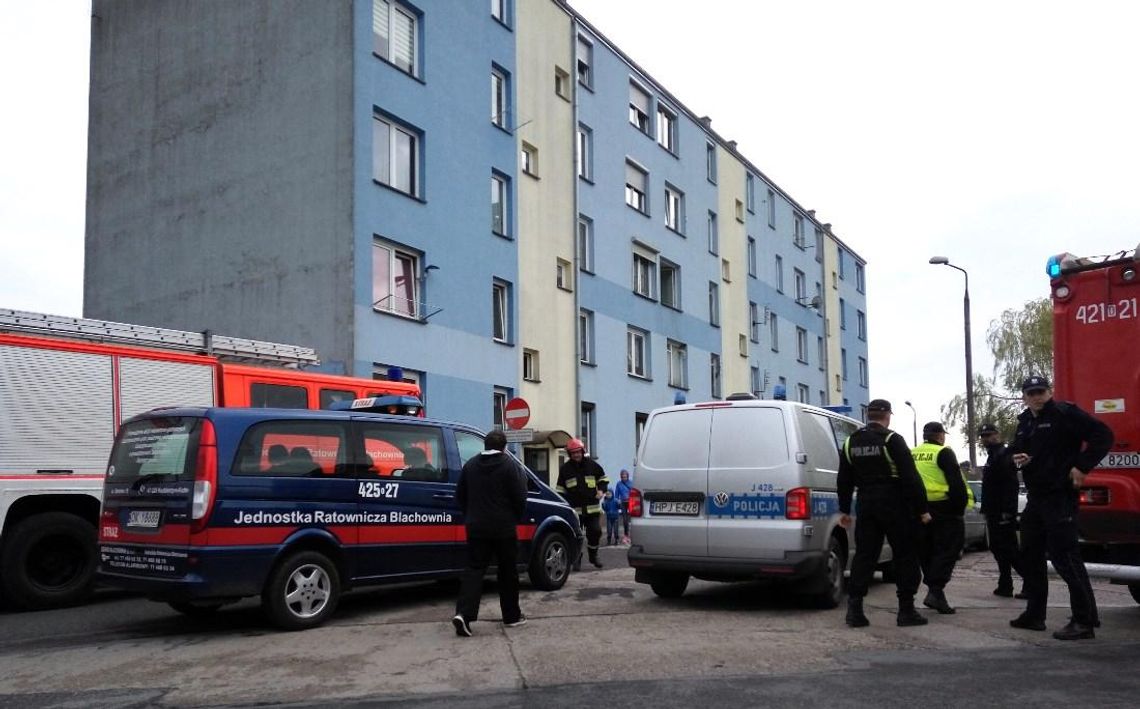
x,y
517,413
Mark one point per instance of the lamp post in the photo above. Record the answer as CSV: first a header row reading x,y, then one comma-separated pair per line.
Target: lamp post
x,y
970,428
913,422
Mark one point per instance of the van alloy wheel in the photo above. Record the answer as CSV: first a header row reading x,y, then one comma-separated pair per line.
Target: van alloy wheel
x,y
308,591
550,565
303,591
832,576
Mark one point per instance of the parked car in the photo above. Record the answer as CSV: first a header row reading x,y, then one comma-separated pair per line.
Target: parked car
x,y
976,536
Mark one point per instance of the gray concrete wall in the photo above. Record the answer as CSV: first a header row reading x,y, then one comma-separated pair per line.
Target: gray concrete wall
x,y
220,168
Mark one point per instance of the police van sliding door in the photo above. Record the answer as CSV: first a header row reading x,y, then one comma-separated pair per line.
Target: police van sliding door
x,y
410,524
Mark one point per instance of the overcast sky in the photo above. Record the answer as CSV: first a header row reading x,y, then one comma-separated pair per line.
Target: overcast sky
x,y
995,133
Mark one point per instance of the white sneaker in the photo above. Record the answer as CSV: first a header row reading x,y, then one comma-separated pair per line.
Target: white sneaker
x,y
462,628
517,623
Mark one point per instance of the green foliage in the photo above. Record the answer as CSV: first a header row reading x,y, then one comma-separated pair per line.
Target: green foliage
x,y
990,406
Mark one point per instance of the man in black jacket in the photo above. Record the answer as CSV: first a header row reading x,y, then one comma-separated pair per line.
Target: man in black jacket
x,y
999,507
492,494
1057,444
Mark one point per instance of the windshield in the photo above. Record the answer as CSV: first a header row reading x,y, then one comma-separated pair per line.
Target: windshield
x,y
163,448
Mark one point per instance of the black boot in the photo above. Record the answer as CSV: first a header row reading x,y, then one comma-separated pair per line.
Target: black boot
x,y
907,614
578,560
855,615
936,599
594,557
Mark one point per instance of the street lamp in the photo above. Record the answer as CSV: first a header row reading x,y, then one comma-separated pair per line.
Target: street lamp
x,y
970,429
913,422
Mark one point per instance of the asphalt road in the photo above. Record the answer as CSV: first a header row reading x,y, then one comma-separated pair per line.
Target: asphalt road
x,y
601,640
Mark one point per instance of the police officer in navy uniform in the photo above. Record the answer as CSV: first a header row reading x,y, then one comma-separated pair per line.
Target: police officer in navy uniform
x,y
1057,444
999,507
891,504
946,498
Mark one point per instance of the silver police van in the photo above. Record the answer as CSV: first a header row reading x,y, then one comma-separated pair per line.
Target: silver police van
x,y
741,489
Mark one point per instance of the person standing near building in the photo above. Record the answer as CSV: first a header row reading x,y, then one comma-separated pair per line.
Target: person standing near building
x,y
946,498
875,460
621,492
613,518
492,494
999,507
583,482
1056,446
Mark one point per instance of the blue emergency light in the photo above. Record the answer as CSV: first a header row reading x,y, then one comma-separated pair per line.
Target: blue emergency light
x,y
395,404
1054,264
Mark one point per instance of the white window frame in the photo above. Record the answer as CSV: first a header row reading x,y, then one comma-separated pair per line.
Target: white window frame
x,y
585,152
819,245
740,211
819,351
714,304
710,162
750,192
752,257
528,159
586,336
386,13
799,282
644,273
500,215
562,274
714,375
714,234
499,10
779,273
798,231
801,345
803,393
754,380
390,134
754,321
670,296
562,82
499,89
771,208
499,399
501,311
585,244
530,363
774,331
637,352
640,105
636,187
861,324
863,372
666,128
677,354
843,362
398,278
585,60
742,344
860,278
674,208
842,314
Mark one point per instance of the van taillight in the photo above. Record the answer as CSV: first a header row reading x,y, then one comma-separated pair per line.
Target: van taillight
x,y
798,503
635,502
205,477
1095,496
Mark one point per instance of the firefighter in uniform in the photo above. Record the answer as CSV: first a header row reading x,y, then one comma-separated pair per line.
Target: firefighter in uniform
x,y
946,499
891,504
999,507
1057,444
583,483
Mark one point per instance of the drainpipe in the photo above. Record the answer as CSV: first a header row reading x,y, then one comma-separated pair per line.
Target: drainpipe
x,y
577,412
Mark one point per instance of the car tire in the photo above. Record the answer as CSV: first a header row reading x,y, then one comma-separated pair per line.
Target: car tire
x,y
550,562
831,576
49,561
195,610
669,584
1134,589
302,591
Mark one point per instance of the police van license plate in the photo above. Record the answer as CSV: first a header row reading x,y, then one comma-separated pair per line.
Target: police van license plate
x,y
663,507
147,519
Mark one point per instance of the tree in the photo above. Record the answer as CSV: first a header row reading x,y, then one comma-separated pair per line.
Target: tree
x,y
1021,342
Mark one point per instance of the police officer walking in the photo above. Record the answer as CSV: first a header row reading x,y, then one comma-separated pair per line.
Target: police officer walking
x,y
875,460
1057,444
999,507
946,498
583,483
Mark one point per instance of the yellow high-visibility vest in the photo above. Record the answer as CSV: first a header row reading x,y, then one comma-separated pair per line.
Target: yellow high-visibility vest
x,y
933,479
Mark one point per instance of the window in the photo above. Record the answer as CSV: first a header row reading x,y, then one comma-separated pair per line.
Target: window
x,y
674,208
774,331
586,244
585,154
819,354
742,345
499,10
500,311
395,156
394,34
277,396
499,400
798,231
636,349
725,270
750,192
636,185
779,274
587,428
639,108
394,280
666,129
753,322
499,96
801,345
842,265
714,236
294,449
639,421
670,284
754,381
714,304
714,374
530,365
586,336
843,363
562,82
499,218
678,356
644,272
861,322
528,159
819,245
563,275
799,281
842,314
860,282
819,299
739,211
862,372
751,257
332,396
710,162
803,393
771,209
585,62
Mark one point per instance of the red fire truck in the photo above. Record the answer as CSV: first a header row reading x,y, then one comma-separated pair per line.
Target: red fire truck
x,y
1096,322
65,386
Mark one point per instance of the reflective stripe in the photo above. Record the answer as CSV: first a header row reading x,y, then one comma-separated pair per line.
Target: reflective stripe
x,y
559,489
590,482
593,509
571,482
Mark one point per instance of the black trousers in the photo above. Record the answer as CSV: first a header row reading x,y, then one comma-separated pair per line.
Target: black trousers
x,y
1049,525
1003,545
480,552
940,544
592,523
879,516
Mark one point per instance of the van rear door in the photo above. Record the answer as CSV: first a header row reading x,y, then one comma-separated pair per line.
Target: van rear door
x,y
672,474
147,495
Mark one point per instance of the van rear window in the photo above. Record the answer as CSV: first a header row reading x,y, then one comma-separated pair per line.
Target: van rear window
x,y
748,437
163,447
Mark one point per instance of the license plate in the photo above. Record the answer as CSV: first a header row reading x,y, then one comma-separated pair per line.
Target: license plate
x,y
1130,459
144,518
675,508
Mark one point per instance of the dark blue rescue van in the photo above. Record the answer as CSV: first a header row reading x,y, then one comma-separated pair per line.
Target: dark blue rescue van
x,y
204,506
